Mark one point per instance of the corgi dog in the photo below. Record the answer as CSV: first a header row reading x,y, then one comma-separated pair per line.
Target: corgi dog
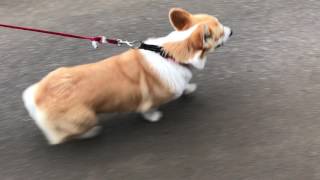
x,y
65,103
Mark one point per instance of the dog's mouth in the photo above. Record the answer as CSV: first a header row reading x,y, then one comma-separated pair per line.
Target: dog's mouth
x,y
227,35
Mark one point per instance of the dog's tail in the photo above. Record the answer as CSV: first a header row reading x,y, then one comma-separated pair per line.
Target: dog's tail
x,y
28,97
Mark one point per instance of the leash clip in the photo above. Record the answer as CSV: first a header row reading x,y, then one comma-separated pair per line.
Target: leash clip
x,y
132,44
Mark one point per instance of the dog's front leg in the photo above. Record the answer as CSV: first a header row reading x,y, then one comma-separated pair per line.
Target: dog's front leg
x,y
152,115
192,87
91,133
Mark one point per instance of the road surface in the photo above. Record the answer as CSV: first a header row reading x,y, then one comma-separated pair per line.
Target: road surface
x,y
255,115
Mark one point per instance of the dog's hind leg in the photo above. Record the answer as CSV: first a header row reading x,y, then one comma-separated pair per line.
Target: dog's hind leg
x,y
78,122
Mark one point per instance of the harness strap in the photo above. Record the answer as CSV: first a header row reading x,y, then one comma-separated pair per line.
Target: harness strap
x,y
156,49
159,50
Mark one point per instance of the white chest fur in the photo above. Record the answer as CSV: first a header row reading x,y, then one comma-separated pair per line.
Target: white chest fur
x,y
175,76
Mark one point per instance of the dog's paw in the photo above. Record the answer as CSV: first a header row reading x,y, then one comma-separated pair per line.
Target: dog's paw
x,y
91,133
152,116
190,89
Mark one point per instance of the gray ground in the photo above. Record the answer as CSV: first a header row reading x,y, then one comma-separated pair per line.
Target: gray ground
x,y
255,115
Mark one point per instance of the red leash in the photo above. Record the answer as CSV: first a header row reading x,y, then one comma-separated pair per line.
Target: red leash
x,y
100,39
95,39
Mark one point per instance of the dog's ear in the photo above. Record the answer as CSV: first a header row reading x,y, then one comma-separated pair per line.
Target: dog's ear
x,y
207,37
180,19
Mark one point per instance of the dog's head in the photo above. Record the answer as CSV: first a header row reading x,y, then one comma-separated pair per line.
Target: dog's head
x,y
195,36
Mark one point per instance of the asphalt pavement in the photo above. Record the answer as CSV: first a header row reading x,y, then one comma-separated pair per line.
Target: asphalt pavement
x,y
255,115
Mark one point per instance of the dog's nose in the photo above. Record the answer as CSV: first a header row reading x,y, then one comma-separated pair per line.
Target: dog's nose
x,y
231,32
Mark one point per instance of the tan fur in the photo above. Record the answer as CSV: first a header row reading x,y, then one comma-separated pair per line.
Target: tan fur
x,y
70,97
180,19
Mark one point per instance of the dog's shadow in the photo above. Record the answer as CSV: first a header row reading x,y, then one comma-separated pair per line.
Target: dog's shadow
x,y
130,126
126,136
120,128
